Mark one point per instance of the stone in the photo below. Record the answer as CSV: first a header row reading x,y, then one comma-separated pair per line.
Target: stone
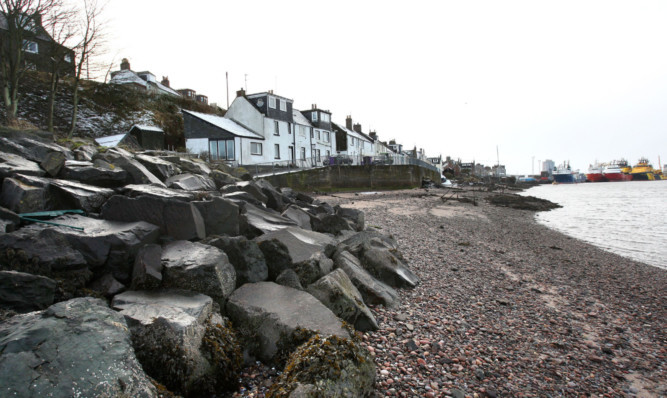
x,y
262,221
299,216
289,278
270,315
246,257
107,285
276,256
74,348
330,224
161,168
135,190
53,162
337,292
201,268
88,174
22,197
372,290
147,271
178,219
190,182
386,267
274,199
85,152
75,195
24,292
32,148
171,331
11,164
42,251
253,189
221,178
137,173
242,197
302,244
221,216
354,216
194,166
9,220
356,242
308,270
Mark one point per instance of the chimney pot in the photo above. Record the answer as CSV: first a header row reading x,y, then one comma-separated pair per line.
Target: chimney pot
x,y
165,81
357,128
125,64
240,93
348,122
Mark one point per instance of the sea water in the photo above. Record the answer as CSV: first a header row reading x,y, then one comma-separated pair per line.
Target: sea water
x,y
627,218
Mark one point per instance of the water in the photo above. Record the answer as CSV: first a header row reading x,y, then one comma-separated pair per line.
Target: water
x,y
626,218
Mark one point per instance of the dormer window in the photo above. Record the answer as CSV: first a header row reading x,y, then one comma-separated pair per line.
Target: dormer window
x,y
313,116
68,58
30,46
272,102
283,106
325,117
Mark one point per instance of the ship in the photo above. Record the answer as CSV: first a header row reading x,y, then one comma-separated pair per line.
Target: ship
x,y
564,174
643,171
595,173
617,170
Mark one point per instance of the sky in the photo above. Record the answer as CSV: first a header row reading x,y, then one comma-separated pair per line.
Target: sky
x,y
511,81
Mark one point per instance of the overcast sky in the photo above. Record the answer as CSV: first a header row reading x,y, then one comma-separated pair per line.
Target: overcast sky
x,y
561,80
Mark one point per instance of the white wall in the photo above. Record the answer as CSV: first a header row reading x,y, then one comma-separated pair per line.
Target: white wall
x,y
244,113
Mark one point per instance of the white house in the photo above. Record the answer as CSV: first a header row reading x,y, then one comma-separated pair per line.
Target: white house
x,y
352,142
323,138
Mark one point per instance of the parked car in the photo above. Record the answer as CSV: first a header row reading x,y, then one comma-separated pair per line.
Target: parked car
x,y
384,158
337,160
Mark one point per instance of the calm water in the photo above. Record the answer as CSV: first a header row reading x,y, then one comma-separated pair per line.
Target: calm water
x,y
627,218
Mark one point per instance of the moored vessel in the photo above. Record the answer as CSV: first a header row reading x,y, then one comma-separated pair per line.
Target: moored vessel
x,y
595,173
564,174
642,171
617,171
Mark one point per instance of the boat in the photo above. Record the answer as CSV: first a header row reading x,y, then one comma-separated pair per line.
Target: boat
x,y
595,173
617,170
642,171
564,174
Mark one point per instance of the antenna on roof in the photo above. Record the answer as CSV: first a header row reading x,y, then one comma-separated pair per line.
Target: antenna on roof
x,y
246,82
227,80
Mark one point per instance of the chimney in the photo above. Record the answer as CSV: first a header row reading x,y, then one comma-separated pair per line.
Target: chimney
x,y
125,64
37,18
165,81
348,122
240,93
314,106
373,135
357,128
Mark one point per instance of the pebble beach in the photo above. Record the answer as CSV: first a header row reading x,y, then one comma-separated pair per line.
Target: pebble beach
x,y
506,307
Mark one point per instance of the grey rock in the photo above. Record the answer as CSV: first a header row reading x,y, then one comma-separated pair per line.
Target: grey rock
x,y
24,292
201,268
161,168
176,218
11,164
31,148
75,195
107,285
240,197
23,197
253,189
356,217
274,199
147,271
9,220
289,278
273,313
49,248
246,257
137,172
75,348
135,190
262,221
385,266
53,162
308,270
372,290
190,182
355,242
93,175
221,178
302,244
299,216
84,152
194,166
337,292
276,256
330,223
221,216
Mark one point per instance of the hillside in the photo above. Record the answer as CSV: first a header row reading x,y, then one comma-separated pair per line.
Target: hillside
x,y
104,109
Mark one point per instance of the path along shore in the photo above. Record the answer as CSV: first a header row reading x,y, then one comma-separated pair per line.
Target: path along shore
x,y
508,307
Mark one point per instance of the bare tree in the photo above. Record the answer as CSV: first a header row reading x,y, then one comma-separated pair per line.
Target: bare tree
x,y
91,37
22,22
61,58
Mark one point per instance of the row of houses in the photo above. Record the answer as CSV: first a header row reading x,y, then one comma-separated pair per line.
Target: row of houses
x,y
265,128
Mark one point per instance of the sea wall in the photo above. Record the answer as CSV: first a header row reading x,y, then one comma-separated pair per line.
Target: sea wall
x,y
334,178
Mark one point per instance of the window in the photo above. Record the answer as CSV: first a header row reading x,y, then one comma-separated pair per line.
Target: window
x,y
302,131
313,116
318,135
276,151
317,152
328,153
283,105
312,133
289,128
255,148
272,102
68,58
303,153
30,46
221,149
326,136
276,128
325,117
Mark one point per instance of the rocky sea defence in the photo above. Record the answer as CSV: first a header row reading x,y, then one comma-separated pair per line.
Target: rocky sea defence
x,y
153,274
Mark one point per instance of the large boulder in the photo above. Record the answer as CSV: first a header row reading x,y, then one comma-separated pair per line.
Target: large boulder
x,y
387,267
246,257
337,292
147,271
75,195
330,223
25,194
53,163
87,173
23,292
190,182
11,164
271,317
354,216
221,178
161,168
299,216
262,220
255,190
75,348
135,190
274,199
32,148
9,221
327,366
302,244
178,219
221,216
174,334
137,172
194,166
198,267
372,290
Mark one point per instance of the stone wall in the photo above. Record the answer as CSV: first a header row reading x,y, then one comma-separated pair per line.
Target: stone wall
x,y
355,178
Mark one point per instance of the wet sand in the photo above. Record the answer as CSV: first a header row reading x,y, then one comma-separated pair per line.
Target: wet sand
x,y
508,307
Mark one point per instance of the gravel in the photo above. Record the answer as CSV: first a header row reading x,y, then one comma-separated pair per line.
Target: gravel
x,y
507,307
